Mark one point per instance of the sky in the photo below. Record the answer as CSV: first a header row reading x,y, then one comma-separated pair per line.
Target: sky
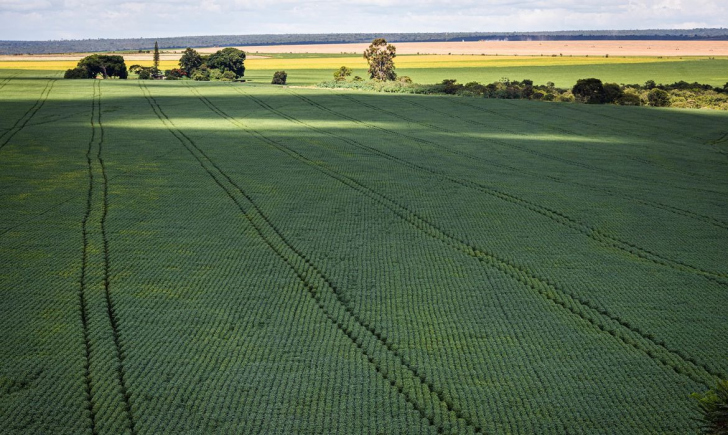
x,y
82,19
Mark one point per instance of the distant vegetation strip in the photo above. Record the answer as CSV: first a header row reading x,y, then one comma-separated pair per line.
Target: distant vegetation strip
x,y
94,45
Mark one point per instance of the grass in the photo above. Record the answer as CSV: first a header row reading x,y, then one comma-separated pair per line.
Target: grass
x,y
209,257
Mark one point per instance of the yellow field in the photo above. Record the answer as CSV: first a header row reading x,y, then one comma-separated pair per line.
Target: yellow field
x,y
62,65
410,61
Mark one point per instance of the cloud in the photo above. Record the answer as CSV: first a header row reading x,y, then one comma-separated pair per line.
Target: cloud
x,y
52,19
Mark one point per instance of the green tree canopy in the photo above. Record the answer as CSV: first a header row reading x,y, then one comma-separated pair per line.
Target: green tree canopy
x,y
342,73
590,91
106,65
190,61
380,57
228,59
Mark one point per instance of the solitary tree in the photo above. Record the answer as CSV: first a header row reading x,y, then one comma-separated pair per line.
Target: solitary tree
x,y
380,57
279,78
228,59
190,61
156,57
106,65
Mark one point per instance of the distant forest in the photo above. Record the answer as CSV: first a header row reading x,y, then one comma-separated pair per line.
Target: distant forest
x,y
97,45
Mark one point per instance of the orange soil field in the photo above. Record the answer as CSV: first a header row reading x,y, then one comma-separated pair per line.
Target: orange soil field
x,y
576,48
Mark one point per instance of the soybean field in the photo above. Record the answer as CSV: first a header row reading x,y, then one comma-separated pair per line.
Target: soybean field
x,y
191,257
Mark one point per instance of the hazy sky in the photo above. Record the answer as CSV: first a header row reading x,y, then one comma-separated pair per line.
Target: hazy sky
x,y
78,19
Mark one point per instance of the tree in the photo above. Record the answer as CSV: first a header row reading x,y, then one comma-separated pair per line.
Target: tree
x,y
380,57
279,78
714,406
612,93
156,57
142,72
658,98
342,73
95,64
228,59
590,91
190,61
202,74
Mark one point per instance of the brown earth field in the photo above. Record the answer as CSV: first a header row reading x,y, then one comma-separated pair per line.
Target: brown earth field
x,y
576,48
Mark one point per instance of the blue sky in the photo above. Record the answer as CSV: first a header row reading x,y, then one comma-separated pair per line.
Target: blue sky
x,y
79,19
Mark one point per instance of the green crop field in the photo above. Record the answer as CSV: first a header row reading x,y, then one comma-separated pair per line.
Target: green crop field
x,y
190,257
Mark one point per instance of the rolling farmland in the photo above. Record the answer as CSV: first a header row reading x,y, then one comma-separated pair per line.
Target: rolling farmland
x,y
185,257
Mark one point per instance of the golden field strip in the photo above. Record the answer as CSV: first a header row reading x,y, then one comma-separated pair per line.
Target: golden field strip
x,y
408,61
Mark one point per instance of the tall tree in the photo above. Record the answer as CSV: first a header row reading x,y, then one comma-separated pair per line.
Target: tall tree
x,y
190,61
380,57
156,57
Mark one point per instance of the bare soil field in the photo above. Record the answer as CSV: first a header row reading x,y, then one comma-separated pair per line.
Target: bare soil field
x,y
576,48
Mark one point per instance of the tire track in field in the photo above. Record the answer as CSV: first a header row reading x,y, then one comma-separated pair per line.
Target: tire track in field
x,y
658,205
108,368
7,80
593,233
84,265
29,114
568,161
587,311
405,379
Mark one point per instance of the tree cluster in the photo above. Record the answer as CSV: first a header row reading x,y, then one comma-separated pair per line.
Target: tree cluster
x,y
227,64
91,66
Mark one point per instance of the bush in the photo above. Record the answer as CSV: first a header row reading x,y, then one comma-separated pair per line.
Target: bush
x,y
405,79
279,78
342,73
174,74
629,99
202,74
76,73
228,76
714,407
612,93
658,98
589,91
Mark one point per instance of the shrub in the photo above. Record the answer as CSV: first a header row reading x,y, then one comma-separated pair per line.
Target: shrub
x,y
612,93
629,99
405,79
76,73
714,407
589,91
202,74
342,73
174,74
658,98
228,76
279,78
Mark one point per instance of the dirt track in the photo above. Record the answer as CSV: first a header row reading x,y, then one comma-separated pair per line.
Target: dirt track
x,y
595,48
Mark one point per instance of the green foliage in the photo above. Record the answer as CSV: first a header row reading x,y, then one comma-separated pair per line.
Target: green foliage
x,y
175,74
77,73
279,78
380,57
228,76
190,61
612,93
629,99
589,91
142,72
228,59
713,405
658,98
342,73
155,58
95,64
201,74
